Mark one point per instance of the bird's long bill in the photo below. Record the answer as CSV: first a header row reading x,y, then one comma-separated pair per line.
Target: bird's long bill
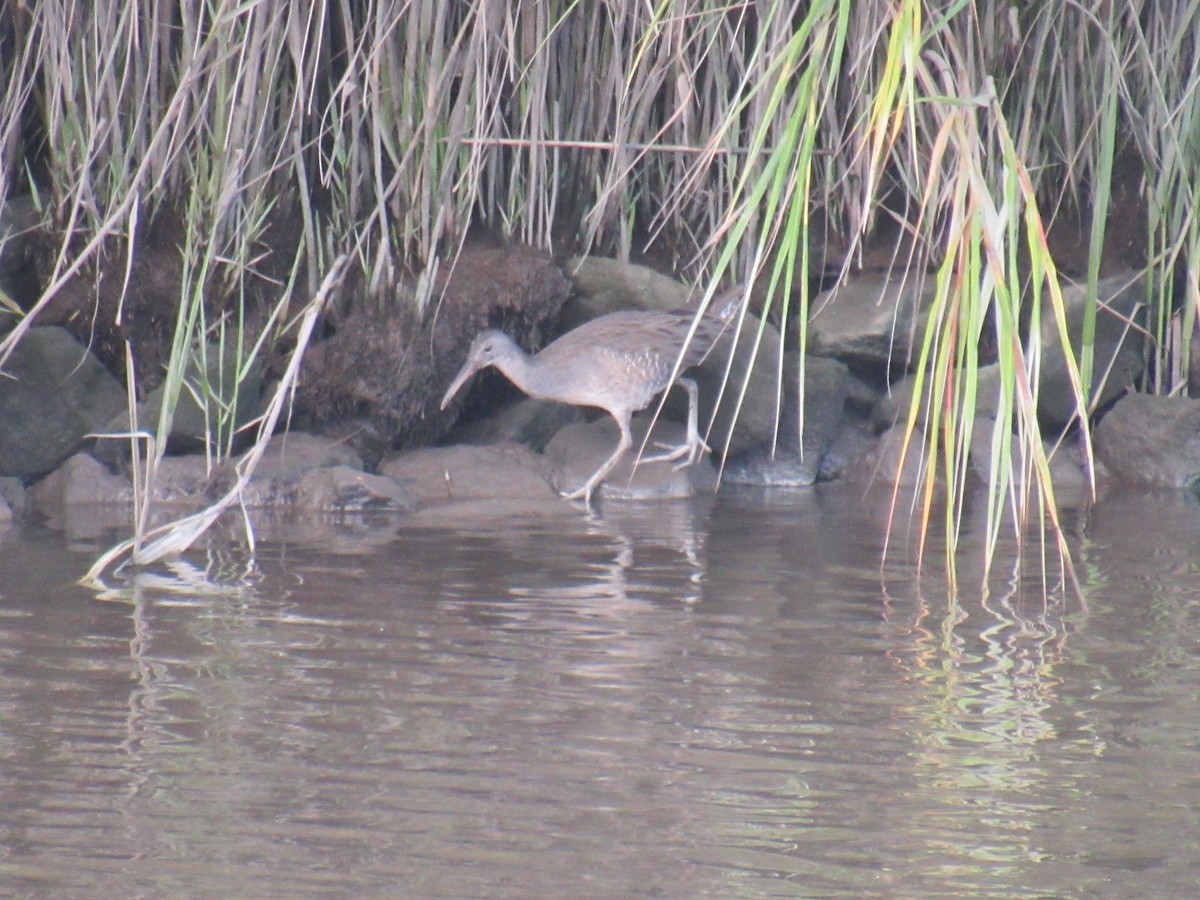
x,y
470,367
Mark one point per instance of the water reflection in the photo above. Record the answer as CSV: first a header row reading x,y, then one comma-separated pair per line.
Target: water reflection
x,y
672,700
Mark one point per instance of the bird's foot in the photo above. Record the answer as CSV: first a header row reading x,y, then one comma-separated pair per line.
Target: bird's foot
x,y
583,493
682,455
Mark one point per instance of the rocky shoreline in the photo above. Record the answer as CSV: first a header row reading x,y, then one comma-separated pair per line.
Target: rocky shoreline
x,y
366,434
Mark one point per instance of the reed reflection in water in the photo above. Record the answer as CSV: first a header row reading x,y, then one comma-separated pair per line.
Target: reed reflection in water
x,y
672,700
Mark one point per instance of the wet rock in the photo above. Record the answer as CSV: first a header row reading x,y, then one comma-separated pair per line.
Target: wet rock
x,y
852,442
288,457
886,461
871,323
53,395
187,480
1067,473
797,458
755,364
464,472
311,472
346,489
1153,441
827,387
1118,346
297,471
781,469
81,480
578,450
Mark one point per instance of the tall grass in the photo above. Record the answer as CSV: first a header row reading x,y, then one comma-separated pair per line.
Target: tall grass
x,y
723,132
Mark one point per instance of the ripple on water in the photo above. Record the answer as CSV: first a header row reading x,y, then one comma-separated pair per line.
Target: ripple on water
x,y
735,701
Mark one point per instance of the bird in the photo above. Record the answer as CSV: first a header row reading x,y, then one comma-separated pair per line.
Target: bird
x,y
617,362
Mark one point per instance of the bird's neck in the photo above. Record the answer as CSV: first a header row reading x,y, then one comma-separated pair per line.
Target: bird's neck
x,y
520,368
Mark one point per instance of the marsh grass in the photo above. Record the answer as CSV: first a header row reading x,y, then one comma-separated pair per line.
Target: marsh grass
x,y
721,132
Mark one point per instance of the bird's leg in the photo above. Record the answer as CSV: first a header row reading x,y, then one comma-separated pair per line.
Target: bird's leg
x,y
592,483
694,446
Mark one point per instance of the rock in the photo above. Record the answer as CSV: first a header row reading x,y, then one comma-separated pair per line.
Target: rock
x,y
893,408
14,495
578,450
297,471
346,489
871,323
392,367
1117,345
454,474
882,461
826,388
1066,467
289,456
18,276
852,442
53,393
81,480
305,471
606,285
6,513
753,424
216,383
525,421
783,469
184,480
1153,441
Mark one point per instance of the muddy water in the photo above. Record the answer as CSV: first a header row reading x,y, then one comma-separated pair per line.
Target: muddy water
x,y
729,699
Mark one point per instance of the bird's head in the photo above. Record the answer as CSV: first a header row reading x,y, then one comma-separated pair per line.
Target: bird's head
x,y
490,348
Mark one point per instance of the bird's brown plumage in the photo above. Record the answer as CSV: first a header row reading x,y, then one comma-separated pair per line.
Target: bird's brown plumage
x,y
618,362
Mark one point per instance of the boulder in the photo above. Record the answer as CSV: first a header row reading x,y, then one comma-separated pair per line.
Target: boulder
x,y
289,456
578,450
893,408
14,495
320,474
81,480
1118,346
884,460
606,285
797,458
1152,441
1067,473
18,277
53,394
210,382
754,358
872,323
464,472
345,489
526,421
